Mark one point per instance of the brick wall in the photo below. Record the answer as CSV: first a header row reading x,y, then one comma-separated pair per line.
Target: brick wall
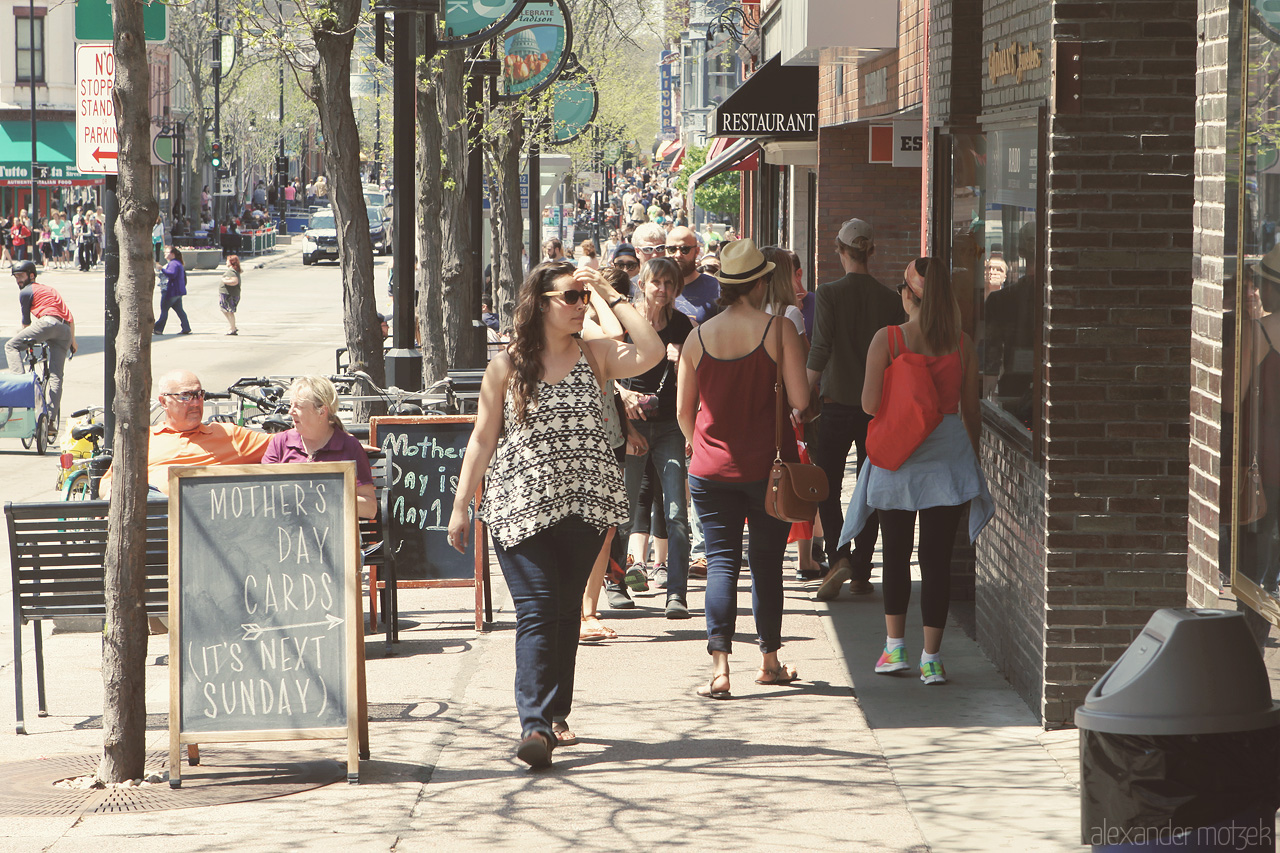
x,y
849,186
1117,334
1210,220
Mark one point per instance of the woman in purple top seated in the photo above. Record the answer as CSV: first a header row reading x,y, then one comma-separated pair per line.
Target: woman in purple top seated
x,y
318,436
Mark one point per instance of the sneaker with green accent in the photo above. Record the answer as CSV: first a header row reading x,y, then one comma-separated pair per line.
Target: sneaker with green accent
x,y
893,660
931,672
637,577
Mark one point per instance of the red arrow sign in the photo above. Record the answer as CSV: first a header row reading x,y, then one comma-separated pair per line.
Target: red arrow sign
x,y
100,155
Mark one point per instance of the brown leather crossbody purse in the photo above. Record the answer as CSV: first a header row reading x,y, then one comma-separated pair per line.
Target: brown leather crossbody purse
x,y
794,489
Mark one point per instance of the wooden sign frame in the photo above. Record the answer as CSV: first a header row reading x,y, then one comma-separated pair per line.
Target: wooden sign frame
x,y
481,582
356,729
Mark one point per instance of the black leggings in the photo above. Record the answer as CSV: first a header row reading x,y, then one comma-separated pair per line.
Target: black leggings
x,y
937,538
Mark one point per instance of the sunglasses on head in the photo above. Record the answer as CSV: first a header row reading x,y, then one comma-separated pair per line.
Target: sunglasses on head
x,y
186,396
571,296
711,268
681,250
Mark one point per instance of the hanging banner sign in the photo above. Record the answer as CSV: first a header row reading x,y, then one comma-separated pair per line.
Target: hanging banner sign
x,y
535,48
468,22
666,94
576,102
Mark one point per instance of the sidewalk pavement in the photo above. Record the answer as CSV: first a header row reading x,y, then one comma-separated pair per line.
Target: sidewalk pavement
x,y
842,760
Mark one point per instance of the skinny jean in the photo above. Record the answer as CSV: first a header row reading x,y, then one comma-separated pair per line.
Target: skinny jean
x,y
546,575
723,508
666,449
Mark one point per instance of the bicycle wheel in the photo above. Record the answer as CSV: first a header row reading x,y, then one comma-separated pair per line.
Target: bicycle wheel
x,y
76,488
42,435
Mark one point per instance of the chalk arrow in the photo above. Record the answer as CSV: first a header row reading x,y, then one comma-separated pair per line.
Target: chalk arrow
x,y
100,155
252,630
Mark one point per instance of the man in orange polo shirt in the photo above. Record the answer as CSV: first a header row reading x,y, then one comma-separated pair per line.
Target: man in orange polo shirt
x,y
184,438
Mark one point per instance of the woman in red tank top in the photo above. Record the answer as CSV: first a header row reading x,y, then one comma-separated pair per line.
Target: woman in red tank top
x,y
726,404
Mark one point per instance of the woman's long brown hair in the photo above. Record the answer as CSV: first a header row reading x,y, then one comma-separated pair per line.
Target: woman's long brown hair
x,y
939,311
530,337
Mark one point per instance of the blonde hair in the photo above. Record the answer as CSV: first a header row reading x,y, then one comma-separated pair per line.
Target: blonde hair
x,y
779,283
319,392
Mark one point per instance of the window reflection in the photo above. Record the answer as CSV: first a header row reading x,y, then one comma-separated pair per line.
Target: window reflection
x,y
994,257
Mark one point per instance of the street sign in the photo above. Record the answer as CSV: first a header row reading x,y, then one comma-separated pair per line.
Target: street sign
x,y
93,21
227,186
97,149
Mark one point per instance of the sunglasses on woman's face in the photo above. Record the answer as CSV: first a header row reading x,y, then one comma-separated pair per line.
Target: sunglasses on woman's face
x,y
571,296
628,266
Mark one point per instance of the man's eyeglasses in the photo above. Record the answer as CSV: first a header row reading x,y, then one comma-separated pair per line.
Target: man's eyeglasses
x,y
571,296
185,396
629,266
649,250
681,250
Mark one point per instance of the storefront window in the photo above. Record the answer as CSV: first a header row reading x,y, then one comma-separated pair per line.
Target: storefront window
x,y
995,263
1251,329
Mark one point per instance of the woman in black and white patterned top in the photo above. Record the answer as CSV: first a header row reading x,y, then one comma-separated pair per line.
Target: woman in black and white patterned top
x,y
555,488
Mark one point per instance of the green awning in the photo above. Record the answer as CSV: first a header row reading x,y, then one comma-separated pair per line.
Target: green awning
x,y
55,147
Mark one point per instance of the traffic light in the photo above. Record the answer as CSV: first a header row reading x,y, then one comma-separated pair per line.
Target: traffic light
x,y
215,160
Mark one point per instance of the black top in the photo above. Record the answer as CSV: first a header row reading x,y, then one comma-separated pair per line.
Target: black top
x,y
677,329
848,314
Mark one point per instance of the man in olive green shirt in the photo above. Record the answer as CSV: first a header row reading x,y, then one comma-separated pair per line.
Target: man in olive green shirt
x,y
848,313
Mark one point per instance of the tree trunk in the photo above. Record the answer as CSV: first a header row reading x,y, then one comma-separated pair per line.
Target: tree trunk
x,y
458,275
507,217
434,345
334,36
124,642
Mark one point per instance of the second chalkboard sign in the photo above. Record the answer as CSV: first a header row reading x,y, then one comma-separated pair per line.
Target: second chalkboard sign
x,y
424,459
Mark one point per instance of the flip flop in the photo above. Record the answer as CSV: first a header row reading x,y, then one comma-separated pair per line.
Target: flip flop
x,y
592,637
564,735
784,674
710,692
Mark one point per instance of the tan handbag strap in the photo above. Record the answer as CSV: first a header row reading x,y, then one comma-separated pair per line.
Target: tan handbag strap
x,y
778,392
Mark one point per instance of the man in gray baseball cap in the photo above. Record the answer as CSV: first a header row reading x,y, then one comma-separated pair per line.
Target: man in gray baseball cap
x,y
848,313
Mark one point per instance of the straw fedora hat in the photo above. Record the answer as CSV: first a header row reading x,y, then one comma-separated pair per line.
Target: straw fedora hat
x,y
1269,266
741,262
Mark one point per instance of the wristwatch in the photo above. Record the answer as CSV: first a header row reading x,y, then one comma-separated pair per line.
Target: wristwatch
x,y
616,301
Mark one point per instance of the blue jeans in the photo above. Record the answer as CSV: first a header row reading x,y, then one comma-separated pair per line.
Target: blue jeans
x,y
666,448
723,507
840,428
176,304
546,575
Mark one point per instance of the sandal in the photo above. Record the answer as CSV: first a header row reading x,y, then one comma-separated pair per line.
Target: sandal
x,y
784,674
563,735
535,749
710,691
597,632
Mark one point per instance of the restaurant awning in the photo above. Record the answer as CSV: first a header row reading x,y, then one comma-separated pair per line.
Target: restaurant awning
x,y
55,148
778,101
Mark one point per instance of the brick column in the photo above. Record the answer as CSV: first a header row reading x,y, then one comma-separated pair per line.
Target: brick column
x,y
1117,338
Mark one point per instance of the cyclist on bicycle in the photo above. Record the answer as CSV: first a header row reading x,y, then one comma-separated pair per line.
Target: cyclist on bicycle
x,y
45,319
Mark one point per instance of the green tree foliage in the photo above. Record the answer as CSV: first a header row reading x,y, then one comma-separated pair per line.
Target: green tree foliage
x,y
716,195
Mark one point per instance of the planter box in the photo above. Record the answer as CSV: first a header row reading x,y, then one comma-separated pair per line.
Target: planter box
x,y
202,259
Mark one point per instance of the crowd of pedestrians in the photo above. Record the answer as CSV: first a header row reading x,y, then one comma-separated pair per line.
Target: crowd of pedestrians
x,y
633,420
66,239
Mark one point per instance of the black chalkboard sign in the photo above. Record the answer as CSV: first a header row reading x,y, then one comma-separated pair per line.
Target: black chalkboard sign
x,y
424,459
264,604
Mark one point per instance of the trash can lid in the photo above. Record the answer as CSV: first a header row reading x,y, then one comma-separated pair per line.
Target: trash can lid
x,y
1190,671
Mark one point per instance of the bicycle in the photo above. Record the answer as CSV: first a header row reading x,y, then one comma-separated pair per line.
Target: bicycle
x,y
24,411
74,480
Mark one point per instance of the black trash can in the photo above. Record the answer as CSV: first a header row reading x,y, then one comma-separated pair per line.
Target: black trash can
x,y
1180,741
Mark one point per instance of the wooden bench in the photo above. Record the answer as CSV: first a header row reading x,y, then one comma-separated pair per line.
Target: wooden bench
x,y
56,555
